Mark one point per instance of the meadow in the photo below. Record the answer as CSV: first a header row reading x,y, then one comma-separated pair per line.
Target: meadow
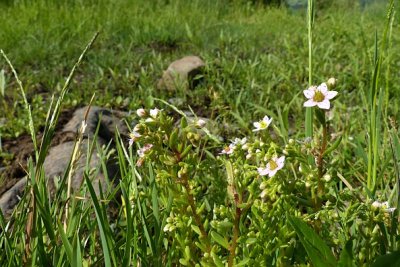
x,y
313,187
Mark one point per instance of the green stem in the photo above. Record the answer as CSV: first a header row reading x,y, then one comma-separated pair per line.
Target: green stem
x,y
196,216
232,247
320,160
309,111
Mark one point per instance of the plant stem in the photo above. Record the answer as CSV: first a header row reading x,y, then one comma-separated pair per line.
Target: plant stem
x,y
309,111
196,216
320,159
232,247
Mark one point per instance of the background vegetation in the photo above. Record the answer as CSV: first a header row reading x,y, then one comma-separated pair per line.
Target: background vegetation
x,y
257,64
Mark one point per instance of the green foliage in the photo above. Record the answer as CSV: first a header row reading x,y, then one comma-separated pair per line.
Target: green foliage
x,y
188,197
316,248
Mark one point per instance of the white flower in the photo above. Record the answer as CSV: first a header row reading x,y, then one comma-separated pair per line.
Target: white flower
x,y
274,165
239,141
383,205
263,124
154,112
228,149
141,112
133,136
319,96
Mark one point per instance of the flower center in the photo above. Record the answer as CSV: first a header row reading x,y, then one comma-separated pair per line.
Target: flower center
x,y
272,165
263,125
318,96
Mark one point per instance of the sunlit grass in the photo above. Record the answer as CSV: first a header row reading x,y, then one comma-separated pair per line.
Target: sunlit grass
x,y
185,200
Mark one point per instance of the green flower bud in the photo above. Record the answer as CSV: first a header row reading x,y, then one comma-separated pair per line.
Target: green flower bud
x,y
331,83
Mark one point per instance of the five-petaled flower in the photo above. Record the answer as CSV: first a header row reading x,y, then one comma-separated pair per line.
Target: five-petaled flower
x,y
273,165
228,149
319,96
263,124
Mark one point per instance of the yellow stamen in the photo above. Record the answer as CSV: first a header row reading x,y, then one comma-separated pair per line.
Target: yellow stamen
x,y
272,165
318,96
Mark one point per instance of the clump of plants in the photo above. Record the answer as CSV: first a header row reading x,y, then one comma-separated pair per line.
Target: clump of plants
x,y
186,198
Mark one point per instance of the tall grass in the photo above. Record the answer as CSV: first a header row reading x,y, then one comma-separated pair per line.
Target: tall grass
x,y
177,209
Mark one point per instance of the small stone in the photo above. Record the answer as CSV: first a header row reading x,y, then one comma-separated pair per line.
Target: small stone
x,y
181,73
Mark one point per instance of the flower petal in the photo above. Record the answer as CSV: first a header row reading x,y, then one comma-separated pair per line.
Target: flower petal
x,y
310,103
323,88
280,161
263,171
309,93
331,94
272,173
324,104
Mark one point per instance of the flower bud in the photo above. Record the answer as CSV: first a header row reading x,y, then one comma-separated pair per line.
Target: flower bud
x,y
331,83
327,177
141,112
200,123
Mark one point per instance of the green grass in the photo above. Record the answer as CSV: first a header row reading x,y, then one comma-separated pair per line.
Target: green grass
x,y
257,53
257,63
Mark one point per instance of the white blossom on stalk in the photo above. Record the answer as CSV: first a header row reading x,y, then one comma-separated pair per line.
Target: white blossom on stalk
x,y
272,167
263,124
319,96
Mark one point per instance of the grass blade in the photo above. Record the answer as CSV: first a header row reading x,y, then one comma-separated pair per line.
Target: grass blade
x,y
317,250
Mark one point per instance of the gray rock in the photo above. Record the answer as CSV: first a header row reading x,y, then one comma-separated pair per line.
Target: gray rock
x,y
58,159
107,120
180,73
11,198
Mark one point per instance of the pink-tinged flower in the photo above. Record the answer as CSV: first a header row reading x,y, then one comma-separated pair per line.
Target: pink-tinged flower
x,y
274,165
263,124
133,136
141,112
228,149
319,96
154,112
141,152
